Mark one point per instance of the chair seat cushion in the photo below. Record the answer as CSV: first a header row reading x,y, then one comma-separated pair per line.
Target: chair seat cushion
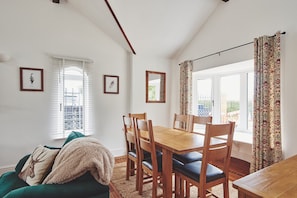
x,y
146,154
148,163
188,157
132,153
192,170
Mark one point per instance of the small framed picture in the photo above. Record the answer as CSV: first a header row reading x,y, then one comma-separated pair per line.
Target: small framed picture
x,y
31,79
111,84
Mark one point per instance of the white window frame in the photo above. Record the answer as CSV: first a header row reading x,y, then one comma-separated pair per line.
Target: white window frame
x,y
60,64
242,68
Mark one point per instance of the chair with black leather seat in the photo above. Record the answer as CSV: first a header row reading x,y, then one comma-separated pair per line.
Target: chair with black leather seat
x,y
131,149
194,155
181,122
198,123
204,174
149,166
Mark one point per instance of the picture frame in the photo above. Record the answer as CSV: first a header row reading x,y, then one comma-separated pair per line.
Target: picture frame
x,y
31,79
111,84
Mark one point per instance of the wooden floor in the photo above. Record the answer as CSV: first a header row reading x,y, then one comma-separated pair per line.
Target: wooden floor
x,y
113,193
238,169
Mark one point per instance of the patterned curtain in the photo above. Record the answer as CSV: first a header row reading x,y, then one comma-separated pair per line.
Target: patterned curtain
x,y
186,69
267,147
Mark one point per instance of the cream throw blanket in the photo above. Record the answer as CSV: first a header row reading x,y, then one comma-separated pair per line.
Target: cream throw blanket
x,y
79,156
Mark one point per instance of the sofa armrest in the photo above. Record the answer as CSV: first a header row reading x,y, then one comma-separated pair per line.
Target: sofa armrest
x,y
21,163
10,181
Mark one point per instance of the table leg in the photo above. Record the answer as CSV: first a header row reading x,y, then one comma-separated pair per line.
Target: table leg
x,y
167,173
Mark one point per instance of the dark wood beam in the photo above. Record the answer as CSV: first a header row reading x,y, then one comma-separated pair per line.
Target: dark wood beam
x,y
119,25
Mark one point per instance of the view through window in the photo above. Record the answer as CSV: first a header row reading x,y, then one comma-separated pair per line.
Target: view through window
x,y
73,99
226,94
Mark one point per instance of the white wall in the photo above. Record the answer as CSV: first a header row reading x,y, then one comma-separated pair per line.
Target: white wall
x,y
238,22
31,30
157,112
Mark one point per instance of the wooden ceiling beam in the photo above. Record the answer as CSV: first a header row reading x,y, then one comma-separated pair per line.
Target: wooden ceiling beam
x,y
119,25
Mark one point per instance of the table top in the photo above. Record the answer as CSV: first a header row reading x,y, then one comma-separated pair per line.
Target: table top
x,y
278,180
178,141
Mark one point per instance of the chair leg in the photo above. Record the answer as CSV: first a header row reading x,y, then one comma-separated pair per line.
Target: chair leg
x,y
188,189
132,168
182,187
137,177
127,168
140,182
177,185
179,190
155,186
226,188
202,191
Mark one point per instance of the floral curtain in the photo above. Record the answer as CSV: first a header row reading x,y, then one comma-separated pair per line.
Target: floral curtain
x,y
267,148
186,69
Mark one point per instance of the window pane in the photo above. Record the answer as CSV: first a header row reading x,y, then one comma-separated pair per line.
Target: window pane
x,y
250,100
73,99
204,105
230,98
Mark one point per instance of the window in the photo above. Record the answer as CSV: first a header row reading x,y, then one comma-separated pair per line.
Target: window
x,y
72,97
225,93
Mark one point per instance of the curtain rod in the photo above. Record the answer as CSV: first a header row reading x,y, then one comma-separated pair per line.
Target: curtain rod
x,y
219,52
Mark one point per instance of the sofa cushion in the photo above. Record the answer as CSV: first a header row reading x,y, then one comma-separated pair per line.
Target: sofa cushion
x,y
73,135
75,189
37,165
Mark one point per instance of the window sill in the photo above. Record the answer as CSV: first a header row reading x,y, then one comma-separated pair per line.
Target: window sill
x,y
238,137
243,137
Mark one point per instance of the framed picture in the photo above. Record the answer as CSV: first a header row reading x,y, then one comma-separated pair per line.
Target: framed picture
x,y
111,84
31,79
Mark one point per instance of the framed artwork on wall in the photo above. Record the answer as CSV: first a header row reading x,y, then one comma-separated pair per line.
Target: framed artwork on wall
x,y
111,84
31,79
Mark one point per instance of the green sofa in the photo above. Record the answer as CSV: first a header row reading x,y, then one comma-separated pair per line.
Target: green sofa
x,y
11,186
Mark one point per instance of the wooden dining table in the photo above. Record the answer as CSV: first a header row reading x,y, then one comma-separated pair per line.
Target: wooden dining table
x,y
175,141
278,180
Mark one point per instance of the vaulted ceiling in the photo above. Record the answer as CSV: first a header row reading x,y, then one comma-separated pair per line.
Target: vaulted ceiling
x,y
148,27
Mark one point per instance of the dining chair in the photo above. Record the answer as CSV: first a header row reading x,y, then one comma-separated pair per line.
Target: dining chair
x,y
198,123
181,122
204,174
194,155
149,166
138,115
132,158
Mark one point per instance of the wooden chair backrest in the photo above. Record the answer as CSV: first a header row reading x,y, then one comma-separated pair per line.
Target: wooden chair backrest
x,y
138,115
220,152
199,120
146,144
129,136
181,121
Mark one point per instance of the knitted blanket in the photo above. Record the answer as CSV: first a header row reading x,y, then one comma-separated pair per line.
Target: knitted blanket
x,y
79,156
